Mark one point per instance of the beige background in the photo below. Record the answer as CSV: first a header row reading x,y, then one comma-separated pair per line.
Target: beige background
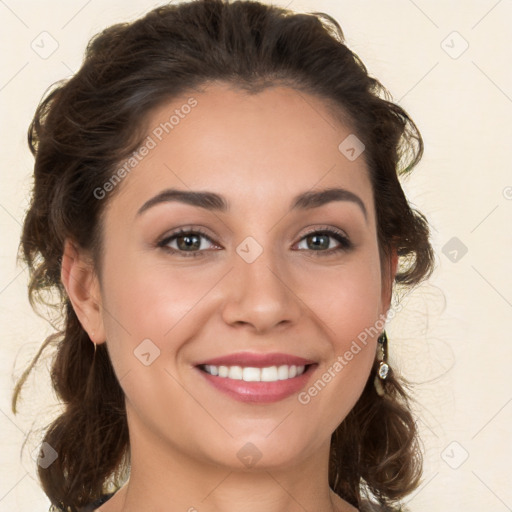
x,y
452,336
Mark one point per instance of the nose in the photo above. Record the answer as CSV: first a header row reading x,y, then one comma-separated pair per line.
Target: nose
x,y
260,294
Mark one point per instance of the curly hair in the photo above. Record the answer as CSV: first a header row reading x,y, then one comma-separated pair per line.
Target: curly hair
x,y
86,125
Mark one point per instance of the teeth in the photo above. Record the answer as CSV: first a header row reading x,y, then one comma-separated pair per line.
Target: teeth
x,y
214,370
249,374
235,372
269,374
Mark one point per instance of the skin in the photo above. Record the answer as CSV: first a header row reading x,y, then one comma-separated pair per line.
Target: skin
x,y
259,152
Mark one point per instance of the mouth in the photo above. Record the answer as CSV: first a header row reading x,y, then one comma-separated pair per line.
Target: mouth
x,y
258,381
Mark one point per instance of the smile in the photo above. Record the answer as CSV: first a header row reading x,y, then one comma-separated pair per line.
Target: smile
x,y
251,374
257,385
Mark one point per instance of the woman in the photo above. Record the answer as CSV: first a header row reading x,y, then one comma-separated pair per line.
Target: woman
x,y
217,202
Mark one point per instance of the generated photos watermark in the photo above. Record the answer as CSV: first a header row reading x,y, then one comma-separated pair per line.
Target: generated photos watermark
x,y
149,143
344,359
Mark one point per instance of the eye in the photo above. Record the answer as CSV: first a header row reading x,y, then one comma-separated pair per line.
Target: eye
x,y
187,242
319,241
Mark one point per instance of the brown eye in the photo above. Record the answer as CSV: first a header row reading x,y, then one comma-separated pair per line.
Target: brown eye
x,y
186,241
321,242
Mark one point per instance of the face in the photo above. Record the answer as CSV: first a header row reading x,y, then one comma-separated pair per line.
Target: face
x,y
247,279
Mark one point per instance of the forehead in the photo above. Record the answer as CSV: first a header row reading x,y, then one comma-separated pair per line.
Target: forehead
x,y
251,148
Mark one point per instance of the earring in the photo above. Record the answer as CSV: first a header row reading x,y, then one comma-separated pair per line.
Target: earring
x,y
383,368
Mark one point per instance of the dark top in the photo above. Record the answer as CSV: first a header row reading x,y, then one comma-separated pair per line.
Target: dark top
x,y
367,506
88,508
97,503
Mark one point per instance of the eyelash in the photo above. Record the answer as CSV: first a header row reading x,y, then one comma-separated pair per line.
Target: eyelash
x,y
345,243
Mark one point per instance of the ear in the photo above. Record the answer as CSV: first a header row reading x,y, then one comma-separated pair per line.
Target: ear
x,y
82,286
388,279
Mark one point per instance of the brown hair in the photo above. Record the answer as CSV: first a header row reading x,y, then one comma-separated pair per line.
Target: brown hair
x,y
86,125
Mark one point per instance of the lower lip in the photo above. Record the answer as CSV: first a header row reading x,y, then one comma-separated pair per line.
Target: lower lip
x,y
259,392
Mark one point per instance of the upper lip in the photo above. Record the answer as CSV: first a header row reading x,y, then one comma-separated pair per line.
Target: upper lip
x,y
255,360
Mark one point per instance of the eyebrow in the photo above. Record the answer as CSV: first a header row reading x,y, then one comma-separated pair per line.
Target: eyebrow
x,y
215,202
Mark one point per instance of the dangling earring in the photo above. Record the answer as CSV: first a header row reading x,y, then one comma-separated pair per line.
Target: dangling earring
x,y
383,368
95,346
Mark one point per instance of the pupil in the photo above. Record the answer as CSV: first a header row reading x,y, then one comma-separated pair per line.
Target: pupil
x,y
188,242
316,238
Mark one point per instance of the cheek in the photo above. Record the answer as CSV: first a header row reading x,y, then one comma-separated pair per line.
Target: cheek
x,y
346,298
347,303
151,302
156,302
148,318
